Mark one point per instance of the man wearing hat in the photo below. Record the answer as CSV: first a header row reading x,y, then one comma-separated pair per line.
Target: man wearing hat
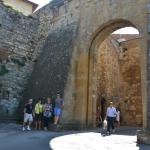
x,y
28,115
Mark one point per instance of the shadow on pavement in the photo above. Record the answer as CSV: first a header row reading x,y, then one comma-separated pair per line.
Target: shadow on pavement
x,y
143,147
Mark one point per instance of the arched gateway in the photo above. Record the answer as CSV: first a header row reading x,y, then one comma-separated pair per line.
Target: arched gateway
x,y
98,19
103,32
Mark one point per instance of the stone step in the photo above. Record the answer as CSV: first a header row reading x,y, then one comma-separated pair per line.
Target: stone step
x,y
6,119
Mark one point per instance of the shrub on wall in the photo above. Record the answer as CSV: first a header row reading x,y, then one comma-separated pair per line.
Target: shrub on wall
x,y
3,70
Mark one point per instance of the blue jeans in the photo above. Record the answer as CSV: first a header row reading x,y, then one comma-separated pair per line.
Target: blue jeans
x,y
110,123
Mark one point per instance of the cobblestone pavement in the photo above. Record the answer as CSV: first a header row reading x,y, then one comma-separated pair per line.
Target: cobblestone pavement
x,y
12,138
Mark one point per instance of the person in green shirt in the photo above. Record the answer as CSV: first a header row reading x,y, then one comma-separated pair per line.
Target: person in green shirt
x,y
38,110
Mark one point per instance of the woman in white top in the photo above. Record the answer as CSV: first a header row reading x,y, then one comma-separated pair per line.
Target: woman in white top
x,y
118,117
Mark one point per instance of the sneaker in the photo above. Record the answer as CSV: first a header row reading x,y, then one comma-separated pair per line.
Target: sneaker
x,y
45,128
23,129
108,133
28,128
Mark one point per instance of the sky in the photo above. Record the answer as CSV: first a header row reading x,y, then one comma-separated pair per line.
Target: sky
x,y
127,30
40,2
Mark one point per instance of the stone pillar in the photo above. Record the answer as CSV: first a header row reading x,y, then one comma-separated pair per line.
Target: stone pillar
x,y
144,135
148,71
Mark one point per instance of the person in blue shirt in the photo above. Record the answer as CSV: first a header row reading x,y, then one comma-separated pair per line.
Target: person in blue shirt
x,y
59,104
111,115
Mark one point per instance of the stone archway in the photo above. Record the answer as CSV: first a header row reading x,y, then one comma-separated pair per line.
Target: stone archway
x,y
86,94
97,20
102,33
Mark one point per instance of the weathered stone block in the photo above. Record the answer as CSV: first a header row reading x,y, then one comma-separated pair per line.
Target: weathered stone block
x,y
143,137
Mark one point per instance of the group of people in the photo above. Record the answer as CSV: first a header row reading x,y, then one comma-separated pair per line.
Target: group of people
x,y
112,116
42,113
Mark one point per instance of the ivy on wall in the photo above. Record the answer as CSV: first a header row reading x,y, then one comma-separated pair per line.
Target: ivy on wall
x,y
1,85
3,70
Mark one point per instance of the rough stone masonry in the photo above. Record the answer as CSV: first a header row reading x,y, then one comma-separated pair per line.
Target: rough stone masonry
x,y
55,50
17,44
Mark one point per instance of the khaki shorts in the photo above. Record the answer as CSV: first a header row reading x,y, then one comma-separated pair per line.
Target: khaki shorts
x,y
28,117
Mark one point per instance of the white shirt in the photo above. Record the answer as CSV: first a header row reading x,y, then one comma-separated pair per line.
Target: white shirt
x,y
111,112
118,116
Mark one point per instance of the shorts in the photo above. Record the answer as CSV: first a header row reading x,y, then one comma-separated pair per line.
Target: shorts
x,y
38,117
28,117
57,111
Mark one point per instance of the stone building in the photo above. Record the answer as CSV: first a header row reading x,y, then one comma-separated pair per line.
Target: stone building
x,y
25,6
57,49
119,78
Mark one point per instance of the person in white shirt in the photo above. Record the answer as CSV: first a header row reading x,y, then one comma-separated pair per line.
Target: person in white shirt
x,y
111,115
118,117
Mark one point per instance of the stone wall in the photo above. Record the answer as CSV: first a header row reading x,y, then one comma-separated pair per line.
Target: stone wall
x,y
131,96
53,71
52,66
108,69
34,47
17,44
119,78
